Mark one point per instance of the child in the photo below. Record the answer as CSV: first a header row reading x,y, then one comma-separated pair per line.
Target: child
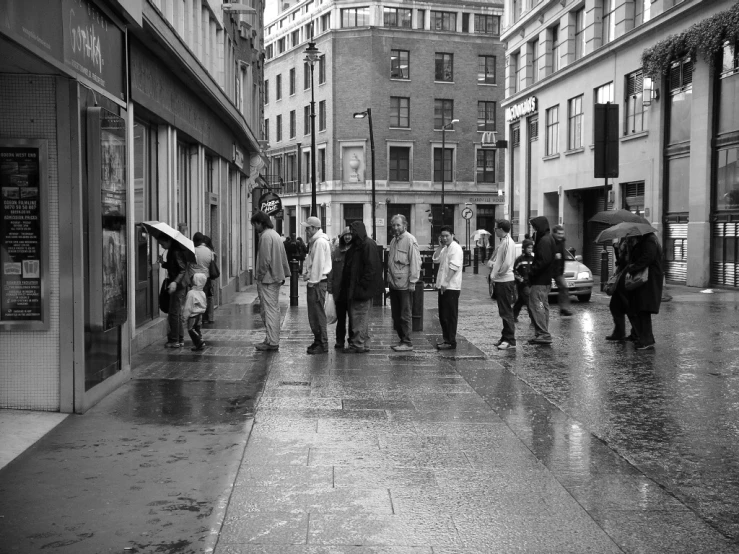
x,y
195,306
521,269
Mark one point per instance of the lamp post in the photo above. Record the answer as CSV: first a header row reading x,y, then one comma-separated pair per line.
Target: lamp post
x,y
368,115
311,56
443,163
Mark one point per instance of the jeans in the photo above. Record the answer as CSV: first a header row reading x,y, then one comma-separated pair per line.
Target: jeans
x,y
448,315
269,309
522,300
401,308
563,293
539,308
193,329
317,312
176,323
359,323
505,295
342,314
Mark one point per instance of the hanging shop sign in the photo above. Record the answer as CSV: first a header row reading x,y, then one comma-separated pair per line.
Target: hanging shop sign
x,y
24,248
521,109
74,35
271,204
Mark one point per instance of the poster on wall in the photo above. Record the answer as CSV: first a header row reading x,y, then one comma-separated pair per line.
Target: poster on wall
x,y
23,244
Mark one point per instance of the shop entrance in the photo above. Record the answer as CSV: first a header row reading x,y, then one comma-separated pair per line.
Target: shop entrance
x,y
593,202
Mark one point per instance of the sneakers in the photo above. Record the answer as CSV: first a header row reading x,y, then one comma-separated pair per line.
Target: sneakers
x,y
198,347
506,346
446,346
264,347
172,344
497,344
316,349
403,347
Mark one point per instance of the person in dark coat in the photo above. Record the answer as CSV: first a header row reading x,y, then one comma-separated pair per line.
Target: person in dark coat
x,y
645,300
540,277
521,270
619,303
302,251
291,248
362,268
563,293
335,281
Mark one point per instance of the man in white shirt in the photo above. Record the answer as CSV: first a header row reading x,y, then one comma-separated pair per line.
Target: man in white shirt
x,y
505,283
316,270
449,284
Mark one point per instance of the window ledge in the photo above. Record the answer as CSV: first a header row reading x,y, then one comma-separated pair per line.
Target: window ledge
x,y
634,136
399,128
487,84
444,82
551,157
574,151
400,79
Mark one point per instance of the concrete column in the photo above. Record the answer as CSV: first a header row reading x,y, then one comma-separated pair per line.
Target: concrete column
x,y
567,27
196,30
701,131
213,49
526,66
205,46
545,53
512,72
593,20
624,17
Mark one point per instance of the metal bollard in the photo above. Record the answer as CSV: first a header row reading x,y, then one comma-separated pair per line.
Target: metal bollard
x,y
603,269
294,276
476,261
418,307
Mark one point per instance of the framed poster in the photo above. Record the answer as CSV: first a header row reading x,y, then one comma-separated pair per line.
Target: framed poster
x,y
24,244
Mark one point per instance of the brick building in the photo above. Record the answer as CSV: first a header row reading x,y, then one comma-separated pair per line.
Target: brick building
x,y
417,66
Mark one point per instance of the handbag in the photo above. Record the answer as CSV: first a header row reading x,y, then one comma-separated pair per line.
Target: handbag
x,y
213,271
164,296
636,280
612,283
330,308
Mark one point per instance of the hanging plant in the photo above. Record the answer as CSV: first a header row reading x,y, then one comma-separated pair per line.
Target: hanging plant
x,y
707,37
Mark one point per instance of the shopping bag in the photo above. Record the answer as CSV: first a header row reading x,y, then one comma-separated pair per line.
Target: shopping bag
x,y
636,280
164,296
213,271
330,307
612,283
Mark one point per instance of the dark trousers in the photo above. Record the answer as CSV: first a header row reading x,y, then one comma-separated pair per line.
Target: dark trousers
x,y
505,295
342,314
522,300
642,326
619,310
448,315
401,308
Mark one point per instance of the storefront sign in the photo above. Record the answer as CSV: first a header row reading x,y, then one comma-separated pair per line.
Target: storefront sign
x,y
521,109
271,204
492,199
23,242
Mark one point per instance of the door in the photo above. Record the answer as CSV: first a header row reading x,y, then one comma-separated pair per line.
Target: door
x,y
144,286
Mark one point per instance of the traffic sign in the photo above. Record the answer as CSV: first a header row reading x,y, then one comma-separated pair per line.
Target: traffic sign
x,y
467,213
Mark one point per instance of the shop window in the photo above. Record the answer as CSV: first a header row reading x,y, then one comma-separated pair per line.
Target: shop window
x,y
399,64
727,179
678,181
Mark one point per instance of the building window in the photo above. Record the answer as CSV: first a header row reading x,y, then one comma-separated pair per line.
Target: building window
x,y
727,179
635,116
325,22
321,69
729,89
306,167
290,168
513,72
306,120
292,81
444,67
400,111
608,30
517,9
352,213
487,24
397,17
486,116
574,123
266,130
534,61
420,19
485,70
281,45
400,163
681,93
295,36
266,92
399,64
443,112
604,94
556,54
465,23
552,146
269,51
485,166
443,21
579,33
309,31
306,76
278,128
293,124
322,164
355,17
448,164
322,115
641,11
278,87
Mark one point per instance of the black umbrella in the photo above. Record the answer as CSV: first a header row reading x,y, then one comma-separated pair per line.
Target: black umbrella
x,y
613,217
625,229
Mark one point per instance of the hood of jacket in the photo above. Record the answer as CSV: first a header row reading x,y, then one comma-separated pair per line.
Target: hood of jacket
x,y
360,230
319,234
540,225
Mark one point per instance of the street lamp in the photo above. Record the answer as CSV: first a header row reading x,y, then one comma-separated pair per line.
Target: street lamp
x,y
368,115
311,56
443,162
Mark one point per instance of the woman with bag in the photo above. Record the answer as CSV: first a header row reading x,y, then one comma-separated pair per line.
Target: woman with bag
x,y
616,289
645,299
205,263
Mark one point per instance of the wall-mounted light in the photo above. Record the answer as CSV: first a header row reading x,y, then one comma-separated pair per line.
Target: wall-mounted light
x,y
649,91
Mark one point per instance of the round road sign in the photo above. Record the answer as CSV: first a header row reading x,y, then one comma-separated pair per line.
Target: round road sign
x,y
467,213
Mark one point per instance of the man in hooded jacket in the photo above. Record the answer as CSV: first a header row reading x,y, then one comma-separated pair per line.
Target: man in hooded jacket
x,y
540,277
361,273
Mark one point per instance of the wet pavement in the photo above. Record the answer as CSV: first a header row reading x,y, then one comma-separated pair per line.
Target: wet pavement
x,y
585,446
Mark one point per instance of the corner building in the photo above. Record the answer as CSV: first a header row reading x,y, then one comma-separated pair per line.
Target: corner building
x,y
113,113
677,133
417,66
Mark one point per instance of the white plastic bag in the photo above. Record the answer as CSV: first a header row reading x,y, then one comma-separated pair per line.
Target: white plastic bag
x,y
330,307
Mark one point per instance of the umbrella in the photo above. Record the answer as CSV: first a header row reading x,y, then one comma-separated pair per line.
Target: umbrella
x,y
612,217
480,233
160,230
625,229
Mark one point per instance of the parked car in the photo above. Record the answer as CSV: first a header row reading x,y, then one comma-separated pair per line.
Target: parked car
x,y
578,276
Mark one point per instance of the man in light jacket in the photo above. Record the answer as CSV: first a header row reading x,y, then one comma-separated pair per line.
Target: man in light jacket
x,y
505,283
403,272
449,284
270,273
316,270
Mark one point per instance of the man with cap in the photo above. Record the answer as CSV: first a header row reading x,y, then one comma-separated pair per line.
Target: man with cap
x,y
316,270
